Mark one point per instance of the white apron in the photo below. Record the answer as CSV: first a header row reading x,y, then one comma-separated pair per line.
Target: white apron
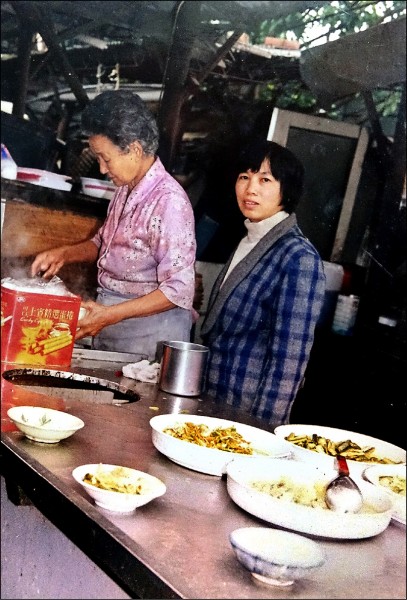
x,y
142,335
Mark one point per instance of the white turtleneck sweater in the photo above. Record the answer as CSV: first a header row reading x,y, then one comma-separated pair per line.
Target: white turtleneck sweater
x,y
255,231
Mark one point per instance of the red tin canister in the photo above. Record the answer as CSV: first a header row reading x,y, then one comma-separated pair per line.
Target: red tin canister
x,y
37,328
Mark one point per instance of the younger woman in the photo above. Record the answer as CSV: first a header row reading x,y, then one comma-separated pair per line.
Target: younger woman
x,y
265,304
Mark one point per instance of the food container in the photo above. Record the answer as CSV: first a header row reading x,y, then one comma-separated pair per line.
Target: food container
x,y
334,274
114,492
8,166
38,322
55,181
98,188
345,314
290,494
213,460
45,425
182,368
383,452
275,557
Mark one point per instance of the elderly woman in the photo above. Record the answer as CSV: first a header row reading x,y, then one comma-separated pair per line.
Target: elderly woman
x,y
265,304
145,250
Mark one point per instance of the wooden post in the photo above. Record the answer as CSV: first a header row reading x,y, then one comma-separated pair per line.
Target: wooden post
x,y
23,69
186,22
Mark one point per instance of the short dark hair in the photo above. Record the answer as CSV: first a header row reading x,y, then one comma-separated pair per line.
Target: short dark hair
x,y
123,117
285,166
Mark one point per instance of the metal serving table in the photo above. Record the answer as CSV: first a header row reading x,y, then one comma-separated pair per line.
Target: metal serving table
x,y
176,546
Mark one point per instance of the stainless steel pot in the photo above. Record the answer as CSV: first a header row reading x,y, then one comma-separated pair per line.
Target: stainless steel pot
x,y
182,368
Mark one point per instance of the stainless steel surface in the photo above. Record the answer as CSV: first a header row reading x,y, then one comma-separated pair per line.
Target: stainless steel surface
x,y
342,494
100,396
178,545
182,368
104,356
70,385
100,358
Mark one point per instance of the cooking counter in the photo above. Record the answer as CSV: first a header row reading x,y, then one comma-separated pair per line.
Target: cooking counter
x,y
176,546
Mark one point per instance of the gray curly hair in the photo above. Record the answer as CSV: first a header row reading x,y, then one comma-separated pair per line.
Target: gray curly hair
x,y
123,117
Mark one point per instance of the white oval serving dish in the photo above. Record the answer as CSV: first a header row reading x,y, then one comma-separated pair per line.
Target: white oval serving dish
x,y
212,460
293,509
382,448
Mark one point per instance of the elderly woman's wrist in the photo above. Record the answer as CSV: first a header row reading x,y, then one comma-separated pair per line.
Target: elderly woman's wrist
x,y
113,315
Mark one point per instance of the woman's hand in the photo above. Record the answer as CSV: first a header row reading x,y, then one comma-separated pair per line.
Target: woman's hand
x,y
96,318
99,316
49,262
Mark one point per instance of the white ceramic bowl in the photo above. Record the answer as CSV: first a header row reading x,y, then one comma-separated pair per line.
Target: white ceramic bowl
x,y
374,475
211,460
98,188
293,509
276,557
382,449
118,501
82,313
44,424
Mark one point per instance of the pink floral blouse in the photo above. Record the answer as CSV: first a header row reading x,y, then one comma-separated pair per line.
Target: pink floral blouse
x,y
148,241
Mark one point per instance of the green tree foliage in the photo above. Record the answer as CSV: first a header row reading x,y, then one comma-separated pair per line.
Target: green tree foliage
x,y
331,20
340,18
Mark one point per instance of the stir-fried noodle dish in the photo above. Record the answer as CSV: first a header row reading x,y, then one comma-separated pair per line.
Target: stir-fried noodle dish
x,y
221,438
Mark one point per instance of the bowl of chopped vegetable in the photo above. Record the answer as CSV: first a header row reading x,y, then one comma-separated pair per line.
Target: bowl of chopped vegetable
x,y
44,425
117,488
320,445
208,444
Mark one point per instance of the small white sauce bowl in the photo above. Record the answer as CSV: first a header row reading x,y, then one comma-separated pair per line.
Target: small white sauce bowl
x,y
276,557
44,425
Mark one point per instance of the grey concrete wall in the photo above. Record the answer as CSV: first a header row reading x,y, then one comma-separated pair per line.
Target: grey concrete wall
x,y
38,561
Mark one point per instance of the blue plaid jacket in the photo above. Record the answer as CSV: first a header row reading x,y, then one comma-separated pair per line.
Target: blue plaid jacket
x,y
260,325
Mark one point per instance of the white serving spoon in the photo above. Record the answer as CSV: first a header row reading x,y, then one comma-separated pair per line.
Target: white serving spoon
x,y
342,494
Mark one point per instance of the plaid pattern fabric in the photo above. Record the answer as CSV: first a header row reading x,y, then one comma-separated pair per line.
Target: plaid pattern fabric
x,y
261,340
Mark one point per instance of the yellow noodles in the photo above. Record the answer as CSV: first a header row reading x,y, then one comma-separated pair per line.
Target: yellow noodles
x,y
116,480
221,438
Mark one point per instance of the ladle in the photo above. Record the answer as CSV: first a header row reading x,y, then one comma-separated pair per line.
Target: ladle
x,y
342,494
